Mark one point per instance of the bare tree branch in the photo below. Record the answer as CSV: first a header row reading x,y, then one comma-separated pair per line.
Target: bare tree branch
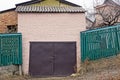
x,y
110,14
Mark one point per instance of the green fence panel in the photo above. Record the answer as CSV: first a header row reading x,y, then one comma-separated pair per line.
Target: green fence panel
x,y
100,43
10,49
118,37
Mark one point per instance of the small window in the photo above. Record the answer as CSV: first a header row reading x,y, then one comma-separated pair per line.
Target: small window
x,y
12,29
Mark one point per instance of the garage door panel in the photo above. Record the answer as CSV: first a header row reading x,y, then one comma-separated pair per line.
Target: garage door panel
x,y
65,58
40,59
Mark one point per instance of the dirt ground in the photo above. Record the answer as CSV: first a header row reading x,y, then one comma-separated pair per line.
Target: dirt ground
x,y
103,69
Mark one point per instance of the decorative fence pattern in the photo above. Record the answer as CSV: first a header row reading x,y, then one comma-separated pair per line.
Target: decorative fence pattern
x,y
100,43
10,49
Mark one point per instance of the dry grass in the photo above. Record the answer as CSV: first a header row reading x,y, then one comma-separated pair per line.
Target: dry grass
x,y
103,69
101,64
15,77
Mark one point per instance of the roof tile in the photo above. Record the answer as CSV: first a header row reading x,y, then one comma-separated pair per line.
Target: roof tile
x,y
43,9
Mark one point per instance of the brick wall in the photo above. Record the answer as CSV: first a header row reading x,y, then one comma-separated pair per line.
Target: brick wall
x,y
7,18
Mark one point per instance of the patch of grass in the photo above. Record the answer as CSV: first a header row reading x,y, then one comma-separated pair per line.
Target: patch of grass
x,y
101,64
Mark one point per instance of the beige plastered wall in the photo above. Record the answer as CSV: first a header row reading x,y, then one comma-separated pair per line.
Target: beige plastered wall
x,y
50,27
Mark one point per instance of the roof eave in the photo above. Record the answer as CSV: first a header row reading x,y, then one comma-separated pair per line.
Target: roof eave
x,y
48,12
7,10
38,9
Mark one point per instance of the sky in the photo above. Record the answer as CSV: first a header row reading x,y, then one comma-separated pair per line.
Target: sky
x,y
7,4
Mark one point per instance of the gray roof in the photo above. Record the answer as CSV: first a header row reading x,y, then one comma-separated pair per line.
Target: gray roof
x,y
43,9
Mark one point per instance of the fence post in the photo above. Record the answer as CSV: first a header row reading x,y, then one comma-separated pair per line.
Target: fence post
x,y
117,42
20,70
0,51
20,54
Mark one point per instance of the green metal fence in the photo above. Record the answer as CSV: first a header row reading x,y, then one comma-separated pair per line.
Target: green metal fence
x,y
100,43
10,49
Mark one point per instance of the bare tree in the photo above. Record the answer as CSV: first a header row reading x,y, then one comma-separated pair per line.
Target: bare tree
x,y
118,1
110,15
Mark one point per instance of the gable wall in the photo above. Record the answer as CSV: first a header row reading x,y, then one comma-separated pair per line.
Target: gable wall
x,y
49,27
50,3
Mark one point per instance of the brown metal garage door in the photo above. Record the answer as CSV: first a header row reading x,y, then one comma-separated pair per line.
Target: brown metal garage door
x,y
52,58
